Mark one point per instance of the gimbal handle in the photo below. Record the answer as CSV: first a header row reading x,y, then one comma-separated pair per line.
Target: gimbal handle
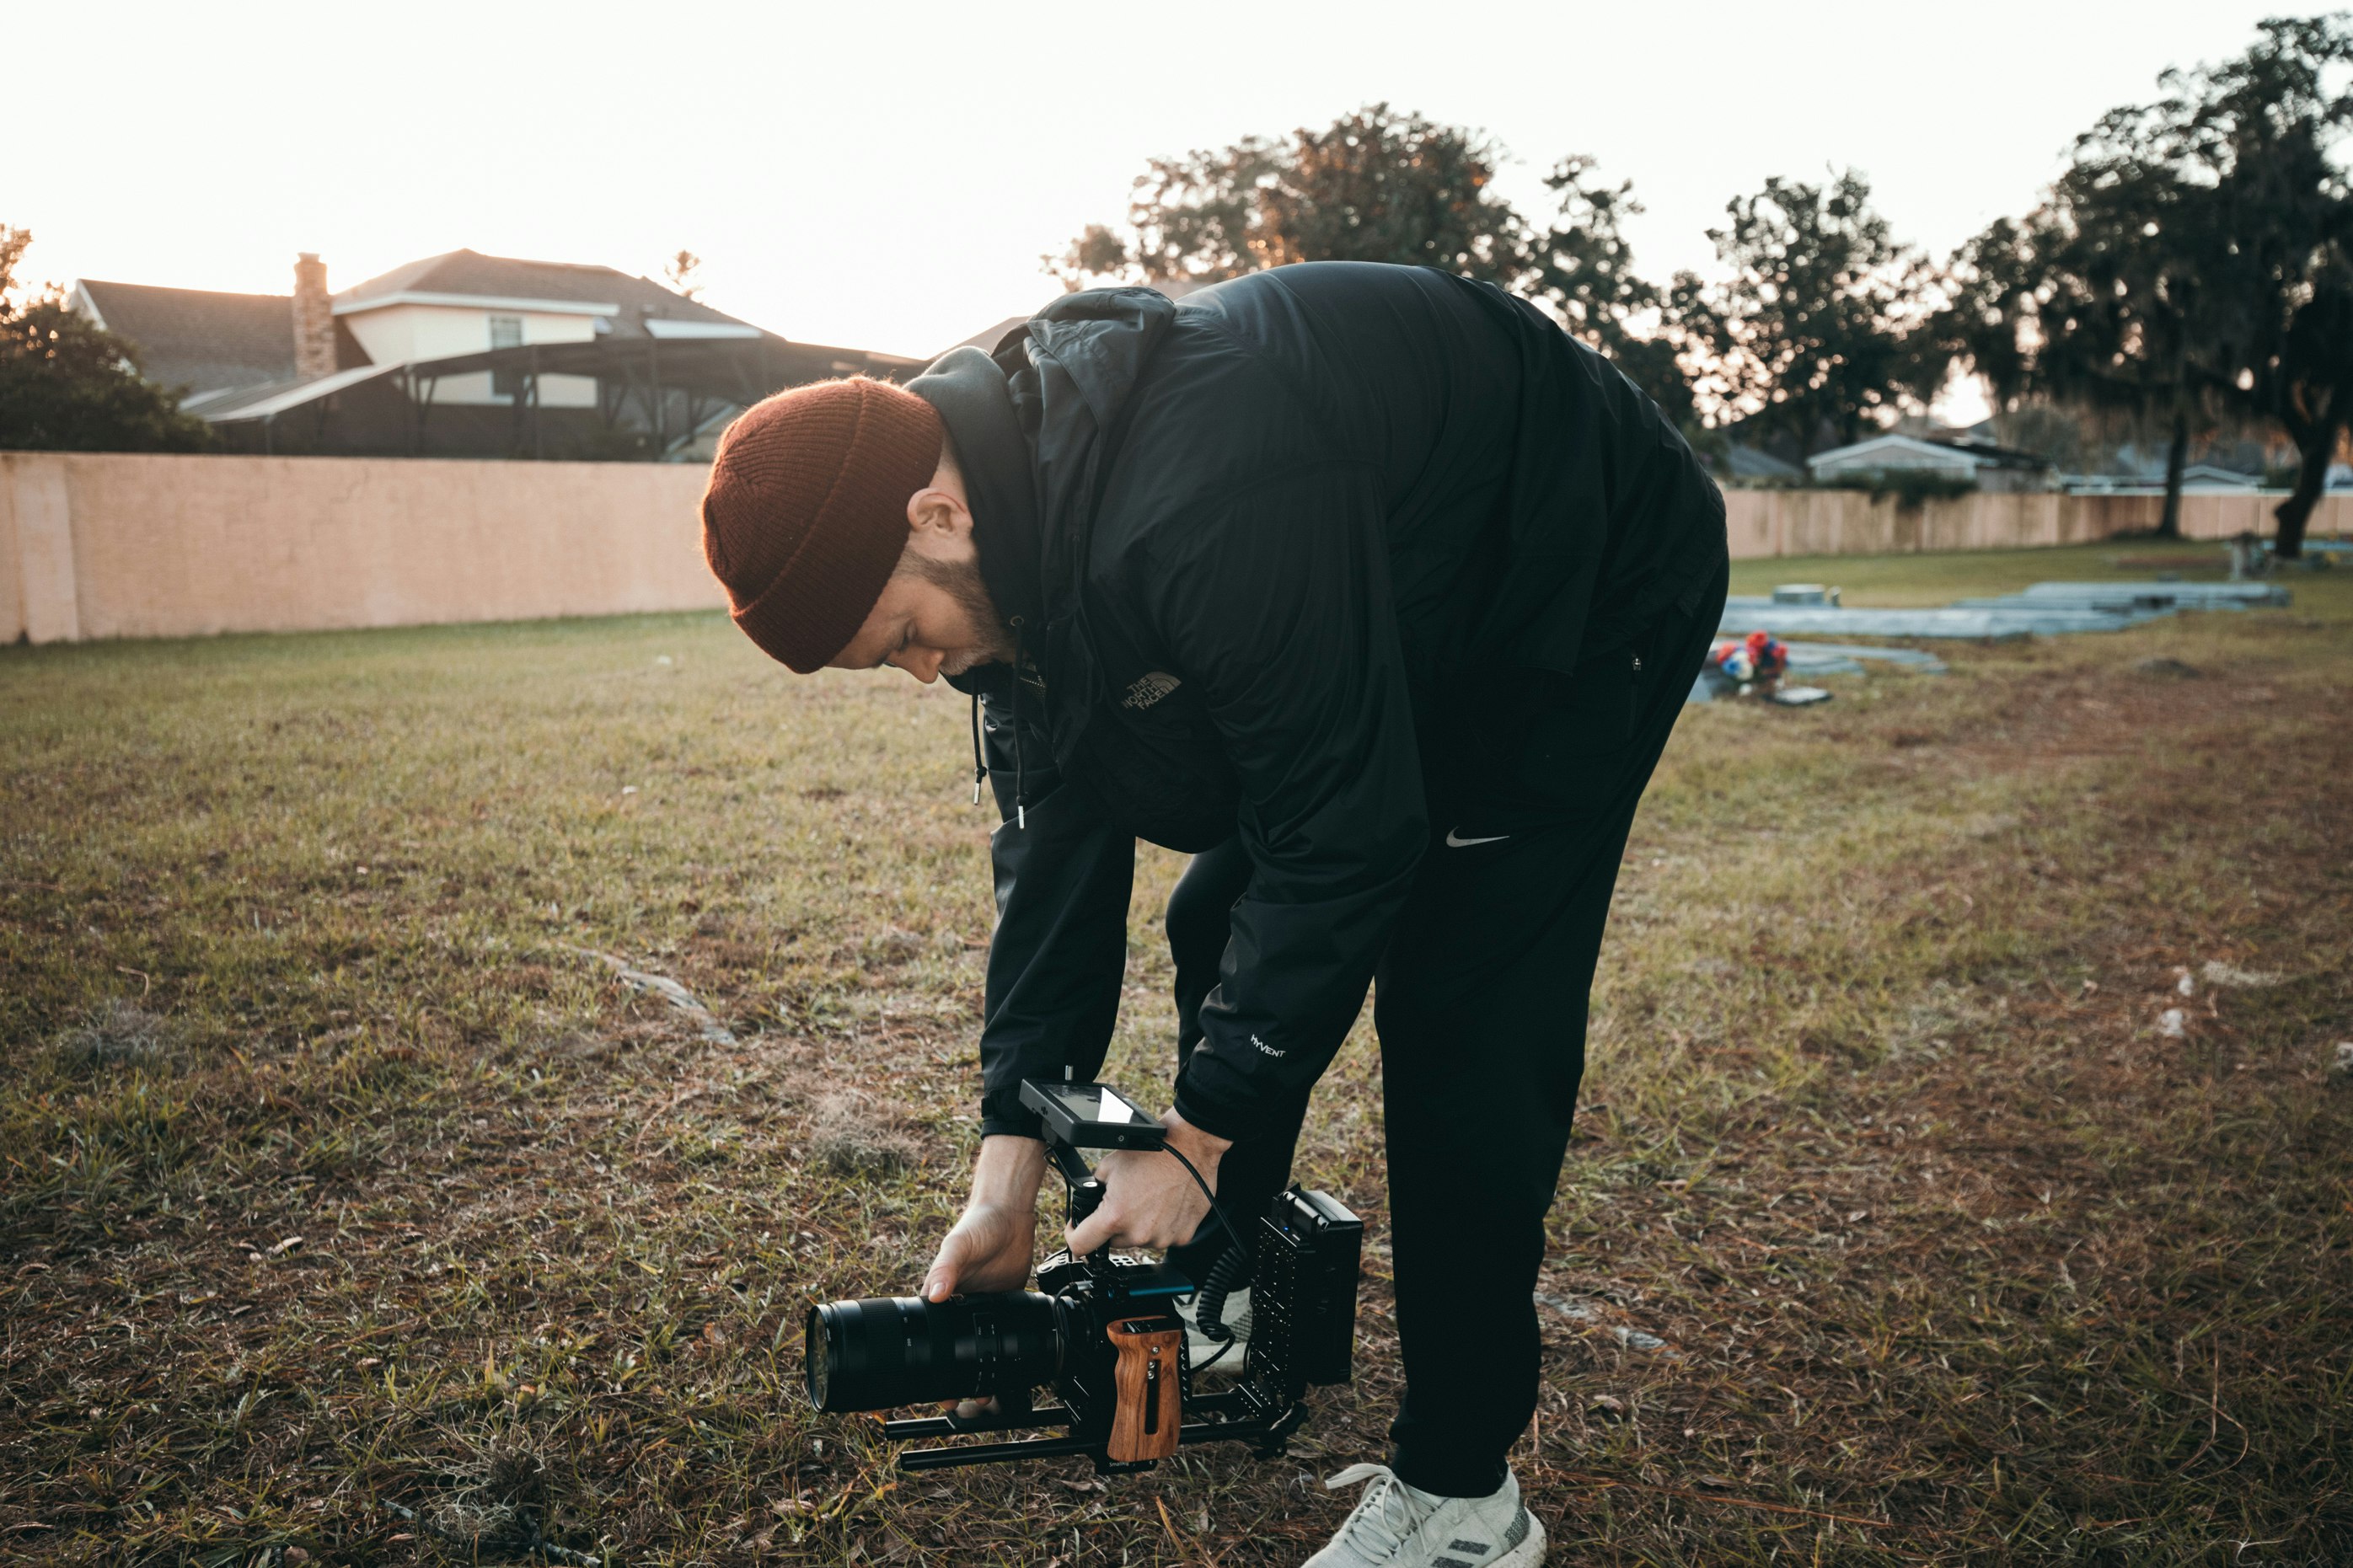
x,y
1084,1191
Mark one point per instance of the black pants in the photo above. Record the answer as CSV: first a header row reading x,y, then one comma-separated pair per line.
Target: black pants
x,y
1479,1004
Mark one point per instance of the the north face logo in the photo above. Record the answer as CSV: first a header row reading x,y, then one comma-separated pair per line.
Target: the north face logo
x,y
1149,690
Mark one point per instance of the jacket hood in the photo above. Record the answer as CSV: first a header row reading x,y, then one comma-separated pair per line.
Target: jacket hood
x,y
1079,362
1036,425
968,390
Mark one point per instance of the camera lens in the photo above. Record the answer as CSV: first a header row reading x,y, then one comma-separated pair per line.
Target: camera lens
x,y
889,1351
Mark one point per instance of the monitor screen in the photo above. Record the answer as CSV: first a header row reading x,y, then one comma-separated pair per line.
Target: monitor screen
x,y
1093,1102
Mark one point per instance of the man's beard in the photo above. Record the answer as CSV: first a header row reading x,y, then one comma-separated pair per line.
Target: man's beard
x,y
960,579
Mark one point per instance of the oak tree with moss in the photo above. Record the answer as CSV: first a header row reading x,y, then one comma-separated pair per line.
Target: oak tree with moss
x,y
2194,263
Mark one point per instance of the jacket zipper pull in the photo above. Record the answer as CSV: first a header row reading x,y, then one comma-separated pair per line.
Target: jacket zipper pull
x,y
1637,664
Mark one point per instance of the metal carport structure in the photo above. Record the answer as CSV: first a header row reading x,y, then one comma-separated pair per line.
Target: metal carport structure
x,y
668,386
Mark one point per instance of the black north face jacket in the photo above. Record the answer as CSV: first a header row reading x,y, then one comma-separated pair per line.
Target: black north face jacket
x,y
1279,560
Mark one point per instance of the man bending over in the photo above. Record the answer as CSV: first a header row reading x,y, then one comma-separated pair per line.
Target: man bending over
x,y
1376,593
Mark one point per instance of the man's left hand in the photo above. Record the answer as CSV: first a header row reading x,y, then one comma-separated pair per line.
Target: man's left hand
x,y
1148,1200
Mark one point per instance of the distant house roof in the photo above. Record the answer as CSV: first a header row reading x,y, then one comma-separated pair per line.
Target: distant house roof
x,y
262,402
197,338
469,278
1899,452
2213,475
1742,461
2197,477
1992,454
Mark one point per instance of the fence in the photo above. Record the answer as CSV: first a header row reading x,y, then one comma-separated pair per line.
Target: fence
x,y
1849,522
124,545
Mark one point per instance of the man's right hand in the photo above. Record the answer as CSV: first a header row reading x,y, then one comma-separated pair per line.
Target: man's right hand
x,y
989,1247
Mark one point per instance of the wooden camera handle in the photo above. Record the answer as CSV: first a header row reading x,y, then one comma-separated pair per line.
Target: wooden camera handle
x,y
1150,1408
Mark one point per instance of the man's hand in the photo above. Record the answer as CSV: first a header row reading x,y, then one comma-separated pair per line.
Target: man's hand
x,y
989,1247
1148,1200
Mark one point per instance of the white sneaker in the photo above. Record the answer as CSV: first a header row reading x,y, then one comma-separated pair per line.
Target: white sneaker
x,y
1400,1526
1199,1347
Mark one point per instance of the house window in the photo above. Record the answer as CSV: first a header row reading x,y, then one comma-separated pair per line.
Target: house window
x,y
506,333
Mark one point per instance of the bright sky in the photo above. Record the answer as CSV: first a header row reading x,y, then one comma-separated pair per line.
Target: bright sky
x,y
887,177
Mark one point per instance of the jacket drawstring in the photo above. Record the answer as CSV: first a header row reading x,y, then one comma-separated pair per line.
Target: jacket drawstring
x,y
979,760
1021,779
979,768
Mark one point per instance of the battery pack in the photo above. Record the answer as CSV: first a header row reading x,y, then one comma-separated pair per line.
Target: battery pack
x,y
1303,1293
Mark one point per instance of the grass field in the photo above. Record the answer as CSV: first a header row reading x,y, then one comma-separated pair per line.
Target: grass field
x,y
351,1210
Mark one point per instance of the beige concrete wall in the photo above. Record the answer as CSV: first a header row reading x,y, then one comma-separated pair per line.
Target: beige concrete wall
x,y
37,598
118,545
115,545
12,574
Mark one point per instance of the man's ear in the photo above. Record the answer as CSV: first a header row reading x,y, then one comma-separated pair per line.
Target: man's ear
x,y
940,513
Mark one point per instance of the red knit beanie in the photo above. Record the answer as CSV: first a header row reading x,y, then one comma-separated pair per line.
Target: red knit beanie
x,y
806,514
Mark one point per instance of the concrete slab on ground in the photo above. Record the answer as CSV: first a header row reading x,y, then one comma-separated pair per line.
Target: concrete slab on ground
x,y
2045,609
1744,616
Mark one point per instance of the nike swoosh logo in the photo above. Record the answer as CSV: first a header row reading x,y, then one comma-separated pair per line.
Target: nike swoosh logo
x,y
1455,841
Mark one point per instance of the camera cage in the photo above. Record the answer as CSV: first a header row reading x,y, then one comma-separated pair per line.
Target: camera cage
x,y
1127,1399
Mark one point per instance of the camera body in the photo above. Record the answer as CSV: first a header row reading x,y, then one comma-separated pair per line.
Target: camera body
x,y
1101,1331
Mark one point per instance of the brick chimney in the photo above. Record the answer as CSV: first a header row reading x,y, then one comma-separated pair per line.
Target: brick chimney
x,y
314,318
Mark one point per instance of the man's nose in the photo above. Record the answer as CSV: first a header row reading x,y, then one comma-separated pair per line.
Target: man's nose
x,y
923,664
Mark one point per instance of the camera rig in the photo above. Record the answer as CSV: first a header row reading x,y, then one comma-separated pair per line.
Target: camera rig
x,y
1101,1329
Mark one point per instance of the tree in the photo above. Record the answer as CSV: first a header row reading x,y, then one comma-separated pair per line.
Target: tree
x,y
2098,299
679,271
2260,132
1383,186
1583,267
1377,185
2194,262
1812,337
67,385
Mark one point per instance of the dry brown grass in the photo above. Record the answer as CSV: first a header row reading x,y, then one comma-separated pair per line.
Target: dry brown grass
x,y
353,1213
